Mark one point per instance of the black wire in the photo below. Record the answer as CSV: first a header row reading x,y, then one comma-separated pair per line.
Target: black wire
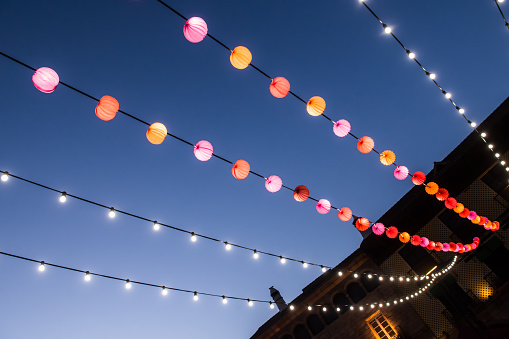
x,y
501,13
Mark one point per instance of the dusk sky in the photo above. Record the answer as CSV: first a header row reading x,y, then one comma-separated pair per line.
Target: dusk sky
x,y
135,51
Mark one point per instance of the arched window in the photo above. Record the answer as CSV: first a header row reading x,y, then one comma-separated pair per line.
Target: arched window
x,y
369,283
314,323
300,332
355,292
329,314
341,300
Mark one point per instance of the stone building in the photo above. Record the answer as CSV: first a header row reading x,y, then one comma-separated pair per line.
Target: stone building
x,y
469,301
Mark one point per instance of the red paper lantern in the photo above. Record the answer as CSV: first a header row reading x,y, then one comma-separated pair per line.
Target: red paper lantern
x,y
442,194
415,240
464,213
279,87
300,193
391,232
107,108
362,224
418,178
450,203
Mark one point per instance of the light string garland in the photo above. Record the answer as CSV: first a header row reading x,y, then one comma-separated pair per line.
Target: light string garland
x,y
128,284
108,107
280,87
501,13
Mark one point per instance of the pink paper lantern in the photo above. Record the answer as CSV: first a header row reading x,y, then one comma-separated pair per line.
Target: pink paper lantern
x,y
279,87
472,215
401,172
195,29
273,183
446,247
323,206
341,128
45,79
424,241
203,150
378,228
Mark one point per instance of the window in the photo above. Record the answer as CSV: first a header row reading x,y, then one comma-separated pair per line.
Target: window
x,y
314,323
381,327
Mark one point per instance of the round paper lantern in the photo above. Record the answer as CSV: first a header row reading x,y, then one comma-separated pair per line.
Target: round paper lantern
x,y
452,247
476,240
446,247
459,207
438,246
404,237
241,169
300,193
424,241
203,150
387,157
472,215
415,240
450,203
241,57
482,221
401,172
467,247
391,232
477,220
431,245
279,87
315,106
273,183
107,108
431,188
442,194
495,226
378,228
195,29
460,246
465,213
418,178
487,226
45,79
362,224
341,128
345,214
156,133
365,144
323,206
474,246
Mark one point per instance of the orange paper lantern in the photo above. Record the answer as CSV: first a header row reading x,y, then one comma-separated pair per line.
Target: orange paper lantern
x,y
156,133
404,237
362,224
241,169
365,144
241,57
345,214
387,157
107,108
315,106
431,188
459,208
464,213
301,193
477,220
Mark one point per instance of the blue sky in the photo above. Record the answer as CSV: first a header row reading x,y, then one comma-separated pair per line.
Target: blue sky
x,y
136,52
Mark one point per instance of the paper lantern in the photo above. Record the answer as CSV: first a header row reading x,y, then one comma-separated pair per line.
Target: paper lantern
x,y
461,250
431,188
476,240
323,206
365,144
418,178
459,207
474,246
482,221
341,128
450,203
401,172
442,194
362,224
387,157
471,215
415,240
195,29
477,220
391,232
156,133
487,226
460,247
45,79
345,214
431,245
452,247
241,169
315,106
378,228
203,150
107,108
279,87
438,246
404,237
465,213
446,247
300,193
424,241
467,247
241,57
273,183
495,226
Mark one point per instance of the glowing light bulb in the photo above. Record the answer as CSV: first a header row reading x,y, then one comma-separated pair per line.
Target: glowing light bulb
x,y
400,278
283,260
372,306
497,155
250,303
400,300
225,301
388,304
305,264
380,305
195,296
427,277
500,1
395,302
128,284
351,307
292,307
340,273
63,197
112,213
387,29
461,110
324,309
370,276
255,255
309,308
87,276
447,95
324,269
193,237
507,169
407,297
407,279
502,162
271,305
473,124
490,146
411,55
355,275
381,278
227,246
483,135
338,309
164,291
391,278
432,76
361,308
5,176
42,267
157,227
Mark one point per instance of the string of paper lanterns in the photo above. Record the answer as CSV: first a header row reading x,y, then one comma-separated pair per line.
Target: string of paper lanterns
x,y
501,13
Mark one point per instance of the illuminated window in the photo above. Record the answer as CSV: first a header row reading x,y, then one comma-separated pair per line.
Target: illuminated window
x,y
381,327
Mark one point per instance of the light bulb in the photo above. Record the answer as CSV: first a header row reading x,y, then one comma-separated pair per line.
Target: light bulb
x,y
432,76
361,308
372,306
5,176
271,305
490,146
507,169
128,284
502,162
193,237
324,269
338,309
370,276
483,135
195,296
497,155
309,308
292,307
448,95
407,297
351,307
400,278
355,275
380,278
63,197
255,255
250,302
324,309
388,304
400,300
340,273
225,301
395,302
87,276
473,124
427,277
461,110
500,1
283,260
380,305
305,264
42,267
387,29
391,278
411,55
407,279
164,291
227,246
416,278
112,213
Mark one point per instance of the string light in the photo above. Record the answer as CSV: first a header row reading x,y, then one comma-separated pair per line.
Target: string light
x,y
225,301
271,305
250,302
156,226
195,296
501,13
355,275
340,273
63,197
255,254
305,264
164,291
87,276
310,308
42,266
292,307
193,237
112,213
283,260
128,284
227,246
5,176
324,269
